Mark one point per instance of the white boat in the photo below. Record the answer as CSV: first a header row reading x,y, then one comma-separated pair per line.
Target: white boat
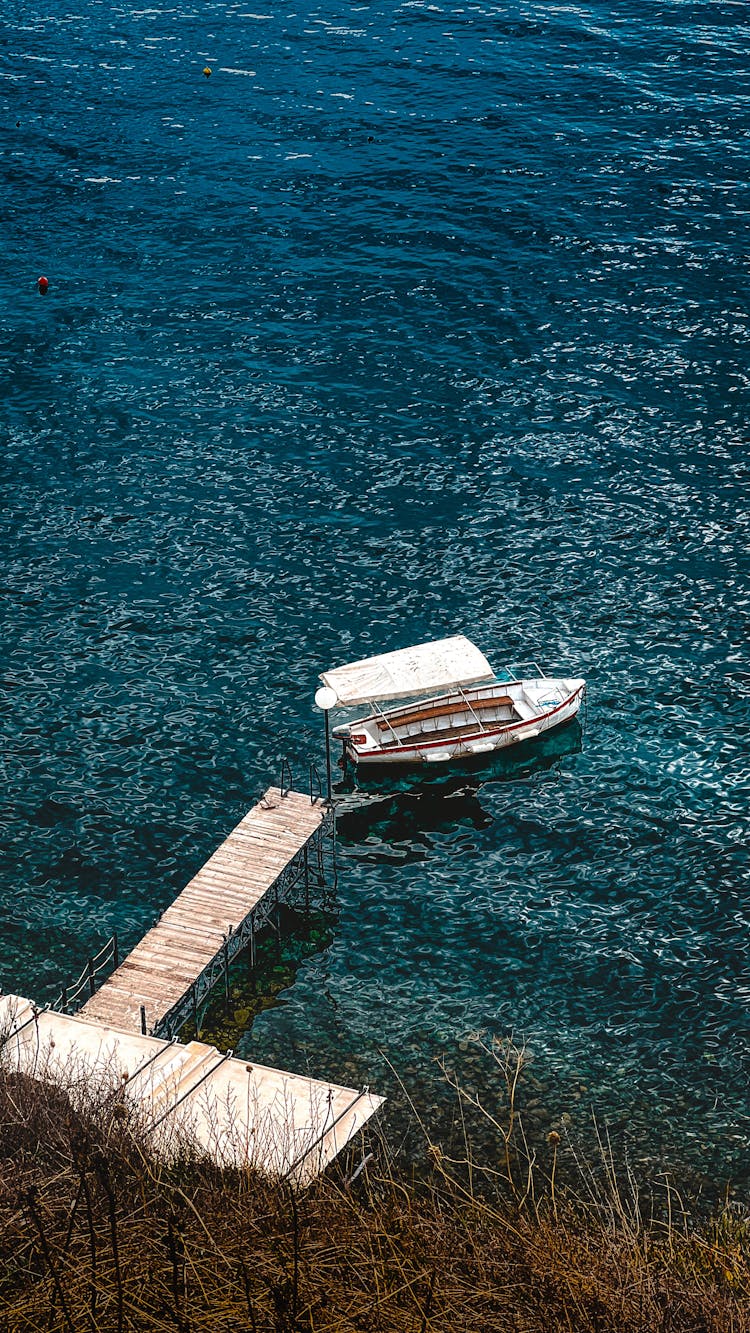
x,y
453,705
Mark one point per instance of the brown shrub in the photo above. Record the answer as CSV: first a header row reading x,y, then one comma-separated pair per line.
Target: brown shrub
x,y
96,1234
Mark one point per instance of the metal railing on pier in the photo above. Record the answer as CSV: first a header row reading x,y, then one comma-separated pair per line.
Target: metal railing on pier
x,y
106,960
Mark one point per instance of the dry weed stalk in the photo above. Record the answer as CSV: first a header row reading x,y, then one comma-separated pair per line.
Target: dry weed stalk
x,y
98,1236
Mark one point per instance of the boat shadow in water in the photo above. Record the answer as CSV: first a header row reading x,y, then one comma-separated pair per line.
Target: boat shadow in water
x,y
408,807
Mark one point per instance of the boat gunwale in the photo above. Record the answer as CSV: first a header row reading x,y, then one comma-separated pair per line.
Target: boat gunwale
x,y
399,747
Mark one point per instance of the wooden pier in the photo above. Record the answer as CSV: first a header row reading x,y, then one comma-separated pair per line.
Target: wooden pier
x,y
122,1041
268,859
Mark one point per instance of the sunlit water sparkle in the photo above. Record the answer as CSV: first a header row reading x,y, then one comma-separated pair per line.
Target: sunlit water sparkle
x,y
409,319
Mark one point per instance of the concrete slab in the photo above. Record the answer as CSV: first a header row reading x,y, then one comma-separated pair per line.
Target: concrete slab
x,y
238,1113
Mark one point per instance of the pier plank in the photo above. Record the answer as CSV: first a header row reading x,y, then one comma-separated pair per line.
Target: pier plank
x,y
224,885
244,874
219,878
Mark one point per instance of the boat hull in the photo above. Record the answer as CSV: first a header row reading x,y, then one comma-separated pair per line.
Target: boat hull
x,y
473,742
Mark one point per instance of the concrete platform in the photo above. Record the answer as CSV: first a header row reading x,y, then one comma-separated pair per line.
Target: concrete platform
x,y
238,1113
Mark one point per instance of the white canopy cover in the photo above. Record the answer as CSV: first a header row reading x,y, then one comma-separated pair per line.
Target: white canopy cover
x,y
409,671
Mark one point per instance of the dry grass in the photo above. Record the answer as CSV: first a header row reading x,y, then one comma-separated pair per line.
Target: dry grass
x,y
96,1235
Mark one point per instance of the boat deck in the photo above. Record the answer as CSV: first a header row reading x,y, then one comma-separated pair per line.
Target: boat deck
x,y
449,733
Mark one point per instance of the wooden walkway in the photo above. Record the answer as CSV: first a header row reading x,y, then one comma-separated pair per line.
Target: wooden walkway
x,y
176,965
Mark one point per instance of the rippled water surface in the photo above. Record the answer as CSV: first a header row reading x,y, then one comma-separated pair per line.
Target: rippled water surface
x,y
409,319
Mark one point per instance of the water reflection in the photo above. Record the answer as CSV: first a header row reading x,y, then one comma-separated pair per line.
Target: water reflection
x,y
446,796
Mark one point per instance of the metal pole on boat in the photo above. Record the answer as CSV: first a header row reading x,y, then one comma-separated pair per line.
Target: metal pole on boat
x,y
325,699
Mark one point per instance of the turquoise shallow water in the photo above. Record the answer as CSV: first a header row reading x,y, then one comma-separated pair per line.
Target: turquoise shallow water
x,y
409,319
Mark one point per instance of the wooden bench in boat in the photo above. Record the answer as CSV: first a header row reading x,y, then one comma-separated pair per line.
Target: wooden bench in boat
x,y
447,735
445,710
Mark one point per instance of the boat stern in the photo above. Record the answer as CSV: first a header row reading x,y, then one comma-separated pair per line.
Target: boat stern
x,y
359,740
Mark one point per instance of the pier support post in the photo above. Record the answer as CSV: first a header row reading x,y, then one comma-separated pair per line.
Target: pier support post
x,y
225,952
251,956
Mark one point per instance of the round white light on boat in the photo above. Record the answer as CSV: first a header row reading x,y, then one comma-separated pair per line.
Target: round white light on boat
x,y
325,698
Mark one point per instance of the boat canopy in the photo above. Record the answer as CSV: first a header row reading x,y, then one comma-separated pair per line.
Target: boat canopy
x,y
443,664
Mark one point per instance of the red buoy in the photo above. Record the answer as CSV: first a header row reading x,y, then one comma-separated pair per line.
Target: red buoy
x,y
42,285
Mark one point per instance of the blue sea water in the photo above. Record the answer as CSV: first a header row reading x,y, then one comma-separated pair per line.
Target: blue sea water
x,y
407,319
